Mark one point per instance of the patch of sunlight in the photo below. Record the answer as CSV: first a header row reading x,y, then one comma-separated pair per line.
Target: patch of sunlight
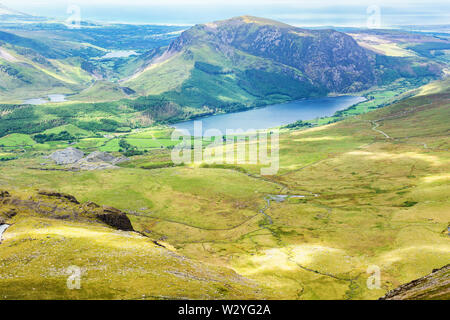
x,y
211,25
52,74
403,253
7,56
271,260
315,129
326,138
391,49
286,259
435,86
385,155
111,238
381,45
305,253
160,61
431,179
300,33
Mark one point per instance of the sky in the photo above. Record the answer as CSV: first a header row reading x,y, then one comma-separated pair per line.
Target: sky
x,y
296,12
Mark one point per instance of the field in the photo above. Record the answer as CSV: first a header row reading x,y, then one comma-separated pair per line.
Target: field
x,y
371,190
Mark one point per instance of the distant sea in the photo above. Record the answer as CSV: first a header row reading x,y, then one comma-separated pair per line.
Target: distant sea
x,y
185,14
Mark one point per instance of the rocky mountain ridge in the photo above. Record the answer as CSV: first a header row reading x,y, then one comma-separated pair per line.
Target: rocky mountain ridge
x,y
327,58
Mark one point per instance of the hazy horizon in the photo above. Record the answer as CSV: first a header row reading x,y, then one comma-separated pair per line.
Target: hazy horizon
x,y
301,13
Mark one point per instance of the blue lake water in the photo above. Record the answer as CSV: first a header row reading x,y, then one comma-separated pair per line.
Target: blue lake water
x,y
119,54
273,115
51,98
57,97
35,101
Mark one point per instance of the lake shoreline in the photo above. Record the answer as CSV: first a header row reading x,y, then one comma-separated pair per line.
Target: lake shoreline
x,y
279,106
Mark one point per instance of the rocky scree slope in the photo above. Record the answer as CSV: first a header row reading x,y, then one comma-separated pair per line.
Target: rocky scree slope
x,y
435,286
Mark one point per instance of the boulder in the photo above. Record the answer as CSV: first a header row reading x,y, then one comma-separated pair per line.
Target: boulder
x,y
67,156
4,194
115,218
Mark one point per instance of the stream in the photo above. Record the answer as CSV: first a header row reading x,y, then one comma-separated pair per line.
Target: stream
x,y
276,198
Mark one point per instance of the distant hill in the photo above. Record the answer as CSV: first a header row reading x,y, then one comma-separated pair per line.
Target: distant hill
x,y
254,60
30,68
226,65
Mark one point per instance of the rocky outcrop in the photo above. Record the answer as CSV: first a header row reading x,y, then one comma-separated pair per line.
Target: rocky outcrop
x,y
61,206
435,286
95,161
115,218
59,195
98,156
4,194
67,156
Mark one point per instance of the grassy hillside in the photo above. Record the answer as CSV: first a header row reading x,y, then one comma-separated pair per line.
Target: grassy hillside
x,y
37,59
375,193
40,247
31,69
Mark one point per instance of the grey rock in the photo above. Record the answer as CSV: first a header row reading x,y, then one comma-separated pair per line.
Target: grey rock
x,y
98,156
95,161
90,166
120,160
67,156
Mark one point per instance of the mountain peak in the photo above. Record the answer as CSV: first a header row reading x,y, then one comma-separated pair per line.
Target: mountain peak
x,y
262,21
247,19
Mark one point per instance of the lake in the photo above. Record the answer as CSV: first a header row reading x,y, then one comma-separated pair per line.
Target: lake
x,y
119,54
273,115
51,98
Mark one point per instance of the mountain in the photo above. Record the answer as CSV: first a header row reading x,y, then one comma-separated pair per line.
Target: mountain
x,y
31,67
255,61
225,65
435,286
326,58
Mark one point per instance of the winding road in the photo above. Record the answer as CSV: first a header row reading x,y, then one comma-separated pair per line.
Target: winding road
x,y
376,125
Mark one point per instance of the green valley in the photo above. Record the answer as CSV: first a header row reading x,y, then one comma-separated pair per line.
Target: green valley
x,y
89,183
380,194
